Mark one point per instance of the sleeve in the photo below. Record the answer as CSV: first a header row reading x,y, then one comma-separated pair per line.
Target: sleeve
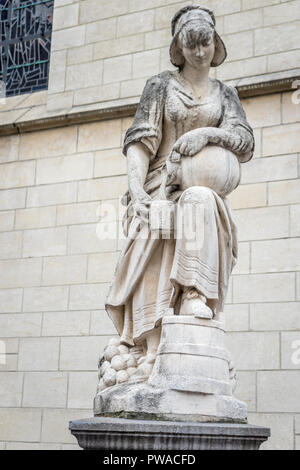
x,y
147,124
234,122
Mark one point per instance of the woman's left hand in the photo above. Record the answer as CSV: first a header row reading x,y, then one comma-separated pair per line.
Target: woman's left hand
x,y
191,143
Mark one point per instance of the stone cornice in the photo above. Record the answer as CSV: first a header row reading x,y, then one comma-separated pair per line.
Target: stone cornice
x,y
247,88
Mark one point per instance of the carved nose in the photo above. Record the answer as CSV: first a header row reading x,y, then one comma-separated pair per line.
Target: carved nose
x,y
200,52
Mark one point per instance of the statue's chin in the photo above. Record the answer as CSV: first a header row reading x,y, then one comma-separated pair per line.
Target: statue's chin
x,y
214,167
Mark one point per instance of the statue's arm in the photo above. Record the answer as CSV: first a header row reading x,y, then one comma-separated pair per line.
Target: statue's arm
x,y
138,157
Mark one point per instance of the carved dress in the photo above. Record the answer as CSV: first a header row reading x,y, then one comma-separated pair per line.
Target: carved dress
x,y
151,272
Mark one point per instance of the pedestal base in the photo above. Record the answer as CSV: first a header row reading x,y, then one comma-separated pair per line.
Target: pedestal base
x,y
125,434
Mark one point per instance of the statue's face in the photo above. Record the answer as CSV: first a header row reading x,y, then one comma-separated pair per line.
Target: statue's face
x,y
198,47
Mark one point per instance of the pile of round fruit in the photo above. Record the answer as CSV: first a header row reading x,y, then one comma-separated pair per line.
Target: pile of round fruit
x,y
118,364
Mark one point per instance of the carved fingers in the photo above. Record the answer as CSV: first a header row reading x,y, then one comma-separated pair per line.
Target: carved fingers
x,y
191,143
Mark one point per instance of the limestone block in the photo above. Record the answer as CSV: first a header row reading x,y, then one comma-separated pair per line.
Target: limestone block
x,y
297,424
132,88
297,443
31,446
254,351
14,175
48,143
11,363
29,424
80,354
262,223
118,47
66,16
45,389
20,325
93,238
39,354
51,194
102,189
91,10
249,195
68,38
239,45
284,192
277,14
84,75
20,273
55,425
264,288
157,39
295,221
10,245
79,55
11,389
97,94
258,3
59,270
135,23
223,7
236,317
57,74
60,169
101,267
290,350
298,286
12,199
117,69
88,297
99,136
163,15
242,21
278,391
275,255
258,110
9,148
47,299
282,434
110,163
281,140
282,61
45,242
290,110
101,30
243,263
280,38
11,345
275,316
35,218
138,5
66,324
10,300
70,214
271,169
246,389
7,220
242,68
101,324
145,63
82,386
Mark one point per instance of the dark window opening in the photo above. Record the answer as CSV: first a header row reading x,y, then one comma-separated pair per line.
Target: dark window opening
x,y
25,44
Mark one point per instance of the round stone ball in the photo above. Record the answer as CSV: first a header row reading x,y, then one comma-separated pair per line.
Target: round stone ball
x,y
123,349
131,361
118,363
114,342
109,377
131,371
110,352
103,368
122,376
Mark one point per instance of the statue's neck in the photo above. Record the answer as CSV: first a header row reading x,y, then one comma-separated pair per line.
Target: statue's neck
x,y
197,78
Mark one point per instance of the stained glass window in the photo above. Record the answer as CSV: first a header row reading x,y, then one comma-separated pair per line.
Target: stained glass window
x,y
25,43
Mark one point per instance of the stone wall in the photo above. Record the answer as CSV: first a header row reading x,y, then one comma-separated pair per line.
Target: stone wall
x,y
54,184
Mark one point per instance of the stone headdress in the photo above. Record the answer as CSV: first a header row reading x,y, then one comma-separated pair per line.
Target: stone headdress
x,y
202,16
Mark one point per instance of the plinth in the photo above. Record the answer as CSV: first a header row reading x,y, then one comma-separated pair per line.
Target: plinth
x,y
116,434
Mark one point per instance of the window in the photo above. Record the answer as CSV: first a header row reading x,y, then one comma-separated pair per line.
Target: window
x,y
25,43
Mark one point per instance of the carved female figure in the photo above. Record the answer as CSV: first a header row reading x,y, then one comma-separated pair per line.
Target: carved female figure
x,y
193,130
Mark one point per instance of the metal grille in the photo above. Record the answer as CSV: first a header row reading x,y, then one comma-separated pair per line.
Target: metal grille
x,y
25,43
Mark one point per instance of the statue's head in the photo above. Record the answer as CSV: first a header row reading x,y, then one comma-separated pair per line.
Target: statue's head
x,y
195,39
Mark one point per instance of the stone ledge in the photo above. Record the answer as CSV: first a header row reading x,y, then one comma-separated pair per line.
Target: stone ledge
x,y
37,118
127,434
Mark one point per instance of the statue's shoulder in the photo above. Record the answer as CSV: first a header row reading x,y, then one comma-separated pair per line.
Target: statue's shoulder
x,y
160,80
227,90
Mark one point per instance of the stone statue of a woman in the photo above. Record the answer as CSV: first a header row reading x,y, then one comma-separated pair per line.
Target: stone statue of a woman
x,y
190,134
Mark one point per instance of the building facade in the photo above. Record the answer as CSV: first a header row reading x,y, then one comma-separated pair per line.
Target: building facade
x,y
62,174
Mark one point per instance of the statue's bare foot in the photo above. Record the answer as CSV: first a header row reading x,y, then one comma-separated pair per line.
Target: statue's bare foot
x,y
194,304
144,369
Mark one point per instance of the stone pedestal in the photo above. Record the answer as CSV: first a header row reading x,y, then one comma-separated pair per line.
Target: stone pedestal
x,y
115,434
